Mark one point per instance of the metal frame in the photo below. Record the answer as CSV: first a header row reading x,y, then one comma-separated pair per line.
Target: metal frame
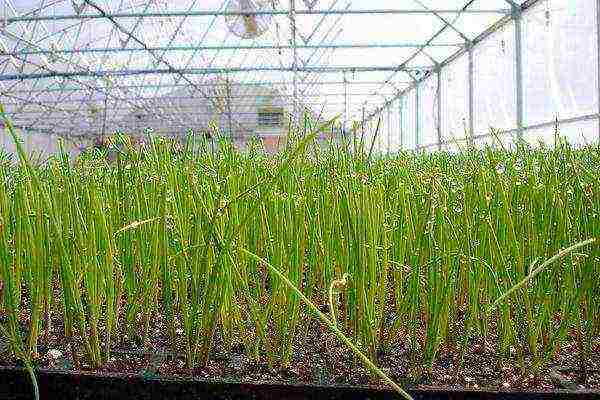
x,y
33,17
373,45
53,68
516,15
204,71
521,127
401,118
438,94
471,86
598,60
417,112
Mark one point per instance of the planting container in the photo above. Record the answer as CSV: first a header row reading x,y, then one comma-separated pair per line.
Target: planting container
x,y
15,384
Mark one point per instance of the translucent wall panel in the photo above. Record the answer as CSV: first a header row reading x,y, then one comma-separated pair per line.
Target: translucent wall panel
x,y
370,138
428,111
539,136
401,124
396,129
484,141
450,147
393,127
388,132
560,60
579,133
506,140
455,99
384,130
383,133
419,107
409,120
495,103
32,142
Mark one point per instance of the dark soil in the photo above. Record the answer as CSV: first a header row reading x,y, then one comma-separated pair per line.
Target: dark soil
x,y
321,360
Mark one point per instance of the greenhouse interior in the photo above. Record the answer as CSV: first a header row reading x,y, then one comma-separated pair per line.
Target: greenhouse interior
x,y
401,197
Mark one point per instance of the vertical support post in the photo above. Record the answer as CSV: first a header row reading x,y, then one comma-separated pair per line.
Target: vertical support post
x,y
417,114
519,69
362,126
135,120
346,101
401,120
295,59
439,107
471,74
389,128
229,121
598,62
105,116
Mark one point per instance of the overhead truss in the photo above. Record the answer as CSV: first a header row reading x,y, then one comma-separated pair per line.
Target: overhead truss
x,y
81,68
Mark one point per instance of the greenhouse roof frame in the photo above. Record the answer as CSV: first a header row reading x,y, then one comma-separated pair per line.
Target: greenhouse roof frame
x,y
116,54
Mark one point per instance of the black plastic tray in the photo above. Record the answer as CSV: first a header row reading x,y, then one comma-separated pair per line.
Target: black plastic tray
x,y
15,384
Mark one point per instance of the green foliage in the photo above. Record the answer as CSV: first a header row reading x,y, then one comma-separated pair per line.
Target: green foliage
x,y
196,242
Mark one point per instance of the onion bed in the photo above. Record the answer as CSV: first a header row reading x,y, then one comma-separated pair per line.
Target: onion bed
x,y
413,248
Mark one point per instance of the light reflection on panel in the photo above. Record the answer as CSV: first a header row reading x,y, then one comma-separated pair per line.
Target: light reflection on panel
x,y
409,120
428,115
495,82
560,60
455,99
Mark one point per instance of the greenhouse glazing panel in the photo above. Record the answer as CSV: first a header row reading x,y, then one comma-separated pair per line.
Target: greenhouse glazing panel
x,y
581,133
455,99
409,120
560,53
402,104
397,136
578,133
380,128
494,78
482,142
389,131
428,123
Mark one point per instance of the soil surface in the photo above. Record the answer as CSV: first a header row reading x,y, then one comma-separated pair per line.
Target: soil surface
x,y
321,360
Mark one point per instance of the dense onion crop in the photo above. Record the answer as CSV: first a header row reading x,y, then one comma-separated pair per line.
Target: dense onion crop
x,y
410,248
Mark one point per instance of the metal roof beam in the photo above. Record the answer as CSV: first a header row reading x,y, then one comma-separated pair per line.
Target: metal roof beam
x,y
209,13
175,110
206,71
445,21
484,35
211,85
419,51
221,48
156,101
